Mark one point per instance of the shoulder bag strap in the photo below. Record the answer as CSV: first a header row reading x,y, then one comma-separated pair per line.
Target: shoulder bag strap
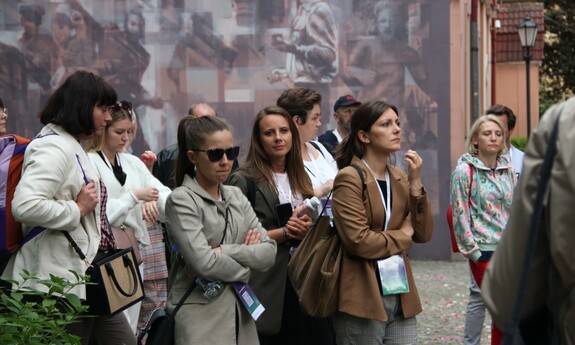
x,y
544,176
470,185
360,176
251,191
183,299
316,146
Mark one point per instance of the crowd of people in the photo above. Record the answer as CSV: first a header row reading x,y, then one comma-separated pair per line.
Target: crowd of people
x,y
202,218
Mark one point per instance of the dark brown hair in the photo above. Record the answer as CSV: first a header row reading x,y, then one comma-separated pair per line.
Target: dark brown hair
x,y
258,165
299,101
499,110
362,120
192,133
72,104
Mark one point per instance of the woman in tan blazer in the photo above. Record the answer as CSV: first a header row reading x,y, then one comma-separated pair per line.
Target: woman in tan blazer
x,y
378,220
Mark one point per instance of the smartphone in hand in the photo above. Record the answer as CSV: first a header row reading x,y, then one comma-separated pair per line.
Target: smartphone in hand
x,y
283,213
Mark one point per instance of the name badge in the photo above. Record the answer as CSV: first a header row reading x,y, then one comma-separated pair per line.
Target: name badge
x,y
249,300
392,275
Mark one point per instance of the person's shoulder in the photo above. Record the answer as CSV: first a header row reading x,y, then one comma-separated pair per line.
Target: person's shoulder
x,y
517,152
130,159
170,152
327,136
234,191
237,178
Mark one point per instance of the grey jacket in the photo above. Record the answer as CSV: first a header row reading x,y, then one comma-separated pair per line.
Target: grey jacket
x,y
196,223
556,237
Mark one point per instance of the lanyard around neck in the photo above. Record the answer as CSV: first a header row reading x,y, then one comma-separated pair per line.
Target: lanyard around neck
x,y
385,200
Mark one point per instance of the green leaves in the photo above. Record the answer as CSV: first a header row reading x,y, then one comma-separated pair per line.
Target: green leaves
x,y
557,78
31,316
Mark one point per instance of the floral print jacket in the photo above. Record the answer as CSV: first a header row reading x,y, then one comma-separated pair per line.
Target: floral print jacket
x,y
480,218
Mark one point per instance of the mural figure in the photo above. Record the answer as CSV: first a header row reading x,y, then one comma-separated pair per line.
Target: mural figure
x,y
312,53
38,48
379,64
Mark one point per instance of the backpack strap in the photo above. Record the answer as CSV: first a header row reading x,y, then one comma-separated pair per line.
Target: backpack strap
x,y
314,144
251,191
360,175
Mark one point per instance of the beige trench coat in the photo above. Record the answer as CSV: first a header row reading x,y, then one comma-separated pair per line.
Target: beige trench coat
x,y
196,224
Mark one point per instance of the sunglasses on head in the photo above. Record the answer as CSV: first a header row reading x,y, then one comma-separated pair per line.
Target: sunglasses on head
x,y
127,106
216,155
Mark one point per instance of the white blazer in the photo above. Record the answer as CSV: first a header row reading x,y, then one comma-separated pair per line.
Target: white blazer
x,y
52,177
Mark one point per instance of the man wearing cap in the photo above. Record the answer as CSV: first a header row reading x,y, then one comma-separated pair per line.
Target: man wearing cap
x,y
343,109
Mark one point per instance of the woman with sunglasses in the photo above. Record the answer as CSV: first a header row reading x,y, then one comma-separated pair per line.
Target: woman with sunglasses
x,y
272,177
136,199
216,238
52,193
379,212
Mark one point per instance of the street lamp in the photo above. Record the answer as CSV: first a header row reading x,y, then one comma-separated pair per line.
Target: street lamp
x,y
527,33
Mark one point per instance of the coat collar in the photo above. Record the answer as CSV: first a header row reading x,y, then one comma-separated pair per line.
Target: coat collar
x,y
193,185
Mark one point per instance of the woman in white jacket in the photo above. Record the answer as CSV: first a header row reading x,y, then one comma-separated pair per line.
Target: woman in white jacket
x,y
136,199
52,194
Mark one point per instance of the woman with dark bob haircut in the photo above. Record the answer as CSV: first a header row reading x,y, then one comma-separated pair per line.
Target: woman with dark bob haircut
x,y
378,218
61,191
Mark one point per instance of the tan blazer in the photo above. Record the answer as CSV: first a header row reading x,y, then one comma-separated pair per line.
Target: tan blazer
x,y
556,237
359,219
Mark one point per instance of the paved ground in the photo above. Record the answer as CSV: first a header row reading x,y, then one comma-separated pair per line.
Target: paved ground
x,y
443,289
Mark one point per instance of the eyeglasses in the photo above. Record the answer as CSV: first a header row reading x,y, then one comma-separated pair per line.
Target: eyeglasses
x,y
127,106
4,110
216,155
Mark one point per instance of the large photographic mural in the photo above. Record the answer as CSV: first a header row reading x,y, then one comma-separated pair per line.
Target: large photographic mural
x,y
238,55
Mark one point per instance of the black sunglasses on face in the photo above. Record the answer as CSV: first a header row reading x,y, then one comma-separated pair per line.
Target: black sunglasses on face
x,y
216,155
127,106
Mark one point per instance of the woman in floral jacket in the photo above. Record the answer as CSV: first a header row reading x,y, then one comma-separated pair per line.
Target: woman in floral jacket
x,y
481,193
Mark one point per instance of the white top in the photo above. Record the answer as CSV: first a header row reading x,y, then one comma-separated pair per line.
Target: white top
x,y
121,207
321,169
338,136
285,194
516,158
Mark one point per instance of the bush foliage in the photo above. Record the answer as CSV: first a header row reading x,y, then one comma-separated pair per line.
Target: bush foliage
x,y
29,316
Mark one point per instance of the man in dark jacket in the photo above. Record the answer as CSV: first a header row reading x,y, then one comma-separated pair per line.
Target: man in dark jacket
x,y
343,109
164,166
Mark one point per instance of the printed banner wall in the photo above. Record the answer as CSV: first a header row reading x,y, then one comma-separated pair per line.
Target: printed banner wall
x,y
163,55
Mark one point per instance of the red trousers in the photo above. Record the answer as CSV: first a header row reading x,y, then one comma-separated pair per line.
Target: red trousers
x,y
478,270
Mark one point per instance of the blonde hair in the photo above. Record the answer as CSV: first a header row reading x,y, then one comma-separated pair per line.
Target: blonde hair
x,y
474,132
96,143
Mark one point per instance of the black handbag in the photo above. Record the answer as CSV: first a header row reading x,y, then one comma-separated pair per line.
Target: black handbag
x,y
159,329
115,282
